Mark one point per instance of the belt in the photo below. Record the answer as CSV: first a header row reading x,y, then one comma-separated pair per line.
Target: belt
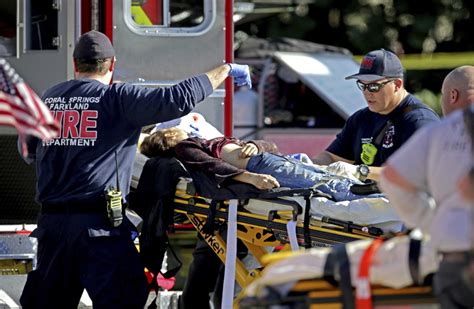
x,y
76,207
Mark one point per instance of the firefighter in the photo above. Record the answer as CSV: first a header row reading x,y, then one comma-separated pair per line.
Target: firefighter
x,y
373,133
83,178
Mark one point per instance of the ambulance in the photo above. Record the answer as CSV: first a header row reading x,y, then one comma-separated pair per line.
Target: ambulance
x,y
157,44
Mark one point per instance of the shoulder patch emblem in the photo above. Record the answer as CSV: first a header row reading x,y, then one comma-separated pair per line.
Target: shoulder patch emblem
x,y
387,141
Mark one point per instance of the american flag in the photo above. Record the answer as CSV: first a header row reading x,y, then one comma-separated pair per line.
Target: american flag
x,y
22,109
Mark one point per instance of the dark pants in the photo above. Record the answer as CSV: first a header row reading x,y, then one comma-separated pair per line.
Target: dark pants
x,y
292,173
202,277
206,275
450,284
80,251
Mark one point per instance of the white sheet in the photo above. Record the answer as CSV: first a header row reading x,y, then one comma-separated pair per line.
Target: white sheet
x,y
389,265
365,211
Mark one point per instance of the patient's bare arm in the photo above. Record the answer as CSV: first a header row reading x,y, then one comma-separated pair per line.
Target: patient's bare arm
x,y
232,154
239,155
326,158
260,181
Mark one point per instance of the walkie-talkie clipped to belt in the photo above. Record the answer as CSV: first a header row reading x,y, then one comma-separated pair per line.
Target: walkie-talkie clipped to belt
x,y
114,201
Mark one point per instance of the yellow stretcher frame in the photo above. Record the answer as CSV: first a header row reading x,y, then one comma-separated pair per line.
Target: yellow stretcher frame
x,y
256,232
320,294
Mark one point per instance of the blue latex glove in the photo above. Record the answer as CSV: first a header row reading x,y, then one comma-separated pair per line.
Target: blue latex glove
x,y
241,74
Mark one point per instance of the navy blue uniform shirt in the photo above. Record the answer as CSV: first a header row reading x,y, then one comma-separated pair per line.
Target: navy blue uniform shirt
x,y
98,121
364,126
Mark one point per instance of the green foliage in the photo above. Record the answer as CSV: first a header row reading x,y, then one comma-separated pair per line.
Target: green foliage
x,y
431,99
423,27
403,26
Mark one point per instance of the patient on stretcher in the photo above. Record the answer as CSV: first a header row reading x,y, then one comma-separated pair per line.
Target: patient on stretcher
x,y
255,162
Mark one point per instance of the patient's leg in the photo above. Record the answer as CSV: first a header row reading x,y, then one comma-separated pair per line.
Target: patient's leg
x,y
294,174
289,172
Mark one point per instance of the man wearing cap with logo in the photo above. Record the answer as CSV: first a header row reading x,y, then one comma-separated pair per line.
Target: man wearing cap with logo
x,y
421,181
372,134
83,178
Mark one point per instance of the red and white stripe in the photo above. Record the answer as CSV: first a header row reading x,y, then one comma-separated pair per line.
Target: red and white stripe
x,y
25,111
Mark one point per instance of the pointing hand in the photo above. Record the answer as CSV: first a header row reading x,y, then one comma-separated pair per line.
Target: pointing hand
x,y
241,74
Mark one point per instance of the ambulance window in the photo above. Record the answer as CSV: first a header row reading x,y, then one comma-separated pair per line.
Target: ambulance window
x,y
41,25
7,28
169,17
36,21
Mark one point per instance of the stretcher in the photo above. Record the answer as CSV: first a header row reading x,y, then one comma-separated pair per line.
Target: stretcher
x,y
273,215
264,221
259,231
360,274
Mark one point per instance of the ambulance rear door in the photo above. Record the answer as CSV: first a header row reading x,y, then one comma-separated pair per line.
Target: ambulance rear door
x,y
160,42
37,37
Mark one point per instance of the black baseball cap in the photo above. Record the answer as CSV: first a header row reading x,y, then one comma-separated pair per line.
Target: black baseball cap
x,y
379,64
93,45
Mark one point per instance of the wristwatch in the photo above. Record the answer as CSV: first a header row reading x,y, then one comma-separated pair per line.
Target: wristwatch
x,y
362,172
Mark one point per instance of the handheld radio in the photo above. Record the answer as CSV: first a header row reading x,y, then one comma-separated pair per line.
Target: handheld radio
x,y
114,200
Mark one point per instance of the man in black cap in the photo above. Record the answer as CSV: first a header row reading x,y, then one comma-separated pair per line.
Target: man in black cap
x,y
372,134
84,177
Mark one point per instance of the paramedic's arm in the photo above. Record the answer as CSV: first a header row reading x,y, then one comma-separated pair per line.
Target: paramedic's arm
x,y
341,149
218,75
345,169
326,158
240,73
413,206
375,172
404,179
466,186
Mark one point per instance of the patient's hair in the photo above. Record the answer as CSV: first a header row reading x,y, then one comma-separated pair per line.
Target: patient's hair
x,y
160,143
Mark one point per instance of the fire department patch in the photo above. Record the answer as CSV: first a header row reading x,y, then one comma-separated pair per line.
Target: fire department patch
x,y
387,141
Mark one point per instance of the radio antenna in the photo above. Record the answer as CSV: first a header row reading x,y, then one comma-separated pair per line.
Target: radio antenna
x,y
117,171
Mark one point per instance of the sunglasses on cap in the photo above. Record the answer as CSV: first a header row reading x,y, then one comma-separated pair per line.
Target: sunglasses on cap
x,y
372,87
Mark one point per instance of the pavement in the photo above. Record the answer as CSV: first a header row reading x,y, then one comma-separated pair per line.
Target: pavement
x,y
12,285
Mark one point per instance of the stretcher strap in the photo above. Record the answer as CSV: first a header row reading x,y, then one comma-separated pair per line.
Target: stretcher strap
x,y
369,187
230,257
329,267
413,260
210,226
363,289
306,234
291,230
345,283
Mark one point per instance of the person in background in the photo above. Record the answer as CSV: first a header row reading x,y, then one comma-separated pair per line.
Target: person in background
x,y
466,184
374,133
83,240
421,180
